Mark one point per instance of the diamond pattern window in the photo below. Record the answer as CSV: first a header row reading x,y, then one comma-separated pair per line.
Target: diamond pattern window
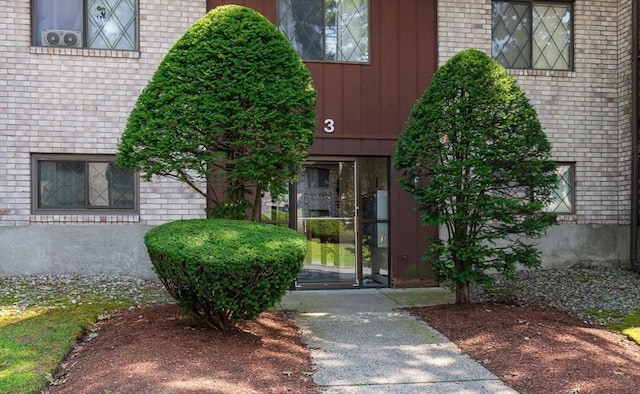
x,y
563,197
533,34
68,183
97,24
327,30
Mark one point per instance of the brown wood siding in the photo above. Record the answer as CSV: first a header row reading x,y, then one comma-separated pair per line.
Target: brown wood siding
x,y
265,7
370,104
374,100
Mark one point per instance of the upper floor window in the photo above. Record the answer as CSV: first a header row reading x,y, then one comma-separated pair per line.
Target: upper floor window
x,y
72,183
327,30
533,34
96,24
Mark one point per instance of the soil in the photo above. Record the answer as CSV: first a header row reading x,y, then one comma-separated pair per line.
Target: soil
x,y
534,349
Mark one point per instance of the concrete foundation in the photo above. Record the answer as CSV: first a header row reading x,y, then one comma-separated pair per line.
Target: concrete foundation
x,y
75,249
586,245
119,249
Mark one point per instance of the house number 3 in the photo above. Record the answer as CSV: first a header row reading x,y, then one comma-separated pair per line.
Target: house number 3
x,y
329,126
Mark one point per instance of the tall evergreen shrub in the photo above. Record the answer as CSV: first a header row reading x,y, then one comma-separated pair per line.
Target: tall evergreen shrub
x,y
230,108
478,163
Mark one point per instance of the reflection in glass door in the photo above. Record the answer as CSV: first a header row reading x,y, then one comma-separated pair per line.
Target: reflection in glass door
x,y
374,219
342,206
326,213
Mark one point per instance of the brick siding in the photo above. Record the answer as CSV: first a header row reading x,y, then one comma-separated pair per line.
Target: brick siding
x,y
585,112
60,100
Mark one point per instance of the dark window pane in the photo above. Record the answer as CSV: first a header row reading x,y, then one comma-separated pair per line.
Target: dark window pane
x,y
302,22
317,177
121,186
62,184
319,213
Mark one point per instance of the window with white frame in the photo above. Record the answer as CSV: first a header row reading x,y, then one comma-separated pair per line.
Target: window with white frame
x,y
97,24
327,30
530,34
563,196
72,183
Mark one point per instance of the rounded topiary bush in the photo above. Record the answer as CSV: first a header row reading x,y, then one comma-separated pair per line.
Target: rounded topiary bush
x,y
225,271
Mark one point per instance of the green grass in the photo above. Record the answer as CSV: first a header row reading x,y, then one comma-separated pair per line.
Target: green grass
x,y
35,339
627,324
41,318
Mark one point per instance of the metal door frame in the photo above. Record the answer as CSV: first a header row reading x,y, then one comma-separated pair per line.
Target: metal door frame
x,y
293,218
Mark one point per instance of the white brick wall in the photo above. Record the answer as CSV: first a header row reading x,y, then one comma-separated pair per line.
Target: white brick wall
x,y
585,112
462,25
77,101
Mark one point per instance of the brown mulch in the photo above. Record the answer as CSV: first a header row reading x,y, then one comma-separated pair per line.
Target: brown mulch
x,y
155,349
537,349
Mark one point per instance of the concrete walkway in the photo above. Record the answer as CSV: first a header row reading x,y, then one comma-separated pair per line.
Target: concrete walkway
x,y
361,343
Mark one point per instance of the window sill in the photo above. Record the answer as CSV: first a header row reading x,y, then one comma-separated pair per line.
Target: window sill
x,y
541,73
339,62
567,218
87,52
84,219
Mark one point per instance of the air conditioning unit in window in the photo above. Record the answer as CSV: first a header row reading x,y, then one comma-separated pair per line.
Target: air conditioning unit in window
x,y
61,38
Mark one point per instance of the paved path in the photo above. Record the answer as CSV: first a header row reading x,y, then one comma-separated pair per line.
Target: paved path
x,y
360,343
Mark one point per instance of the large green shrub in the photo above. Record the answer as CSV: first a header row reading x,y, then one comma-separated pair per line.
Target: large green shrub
x,y
478,163
225,271
230,111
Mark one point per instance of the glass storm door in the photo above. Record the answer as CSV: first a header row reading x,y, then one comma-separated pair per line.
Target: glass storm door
x,y
326,213
374,221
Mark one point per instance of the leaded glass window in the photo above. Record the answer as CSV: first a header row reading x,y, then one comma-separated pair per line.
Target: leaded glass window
x,y
533,34
563,196
66,183
98,24
327,30
112,24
